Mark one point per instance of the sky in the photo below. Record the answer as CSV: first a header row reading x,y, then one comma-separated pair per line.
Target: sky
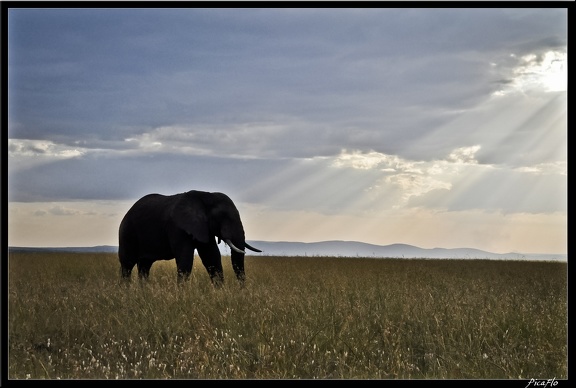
x,y
435,127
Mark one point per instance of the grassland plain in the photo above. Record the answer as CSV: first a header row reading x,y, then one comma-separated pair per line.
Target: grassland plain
x,y
297,318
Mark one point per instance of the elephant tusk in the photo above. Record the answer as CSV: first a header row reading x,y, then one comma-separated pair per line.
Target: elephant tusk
x,y
252,248
233,246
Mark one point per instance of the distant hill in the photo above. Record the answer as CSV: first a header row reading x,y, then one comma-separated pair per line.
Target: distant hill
x,y
359,249
342,249
96,249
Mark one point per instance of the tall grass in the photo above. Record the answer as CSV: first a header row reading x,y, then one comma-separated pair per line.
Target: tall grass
x,y
297,318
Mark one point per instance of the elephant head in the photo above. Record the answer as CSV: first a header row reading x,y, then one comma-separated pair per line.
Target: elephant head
x,y
206,216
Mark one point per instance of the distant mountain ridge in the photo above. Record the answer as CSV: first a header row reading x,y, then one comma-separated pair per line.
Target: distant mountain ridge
x,y
95,249
360,249
343,249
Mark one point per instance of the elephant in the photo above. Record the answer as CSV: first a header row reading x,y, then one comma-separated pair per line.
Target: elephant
x,y
165,227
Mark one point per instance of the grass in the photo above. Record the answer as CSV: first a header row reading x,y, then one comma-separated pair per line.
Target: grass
x,y
297,318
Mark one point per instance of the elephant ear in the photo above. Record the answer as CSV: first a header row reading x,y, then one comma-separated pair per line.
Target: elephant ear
x,y
189,214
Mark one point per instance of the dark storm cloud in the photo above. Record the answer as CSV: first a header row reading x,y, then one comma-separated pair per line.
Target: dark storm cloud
x,y
99,76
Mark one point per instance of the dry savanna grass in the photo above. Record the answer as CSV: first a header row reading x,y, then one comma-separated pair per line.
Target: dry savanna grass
x,y
297,318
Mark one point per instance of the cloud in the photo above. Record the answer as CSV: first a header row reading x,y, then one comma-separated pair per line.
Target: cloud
x,y
62,211
355,182
25,147
538,71
366,161
25,154
494,189
255,81
464,155
127,175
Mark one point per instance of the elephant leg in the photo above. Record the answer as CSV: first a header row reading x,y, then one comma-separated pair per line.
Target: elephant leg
x,y
238,266
210,255
144,270
125,273
126,265
184,262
